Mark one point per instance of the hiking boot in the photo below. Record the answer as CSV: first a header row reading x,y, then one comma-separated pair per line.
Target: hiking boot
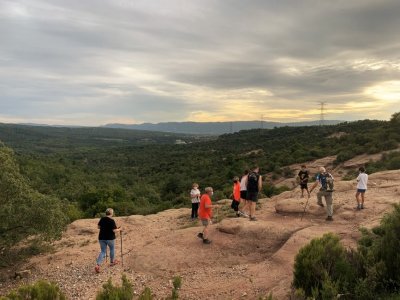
x,y
320,204
115,262
200,235
329,218
358,207
206,241
97,269
253,219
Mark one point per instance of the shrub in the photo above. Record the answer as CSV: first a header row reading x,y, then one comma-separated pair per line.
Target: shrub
x,y
146,294
321,268
379,249
42,290
111,292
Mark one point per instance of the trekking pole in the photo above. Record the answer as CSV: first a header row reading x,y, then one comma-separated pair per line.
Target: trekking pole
x,y
122,255
305,207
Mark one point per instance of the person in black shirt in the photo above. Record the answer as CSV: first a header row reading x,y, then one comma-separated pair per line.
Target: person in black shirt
x,y
108,228
254,185
303,177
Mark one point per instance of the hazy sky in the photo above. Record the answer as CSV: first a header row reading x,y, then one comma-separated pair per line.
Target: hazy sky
x,y
92,62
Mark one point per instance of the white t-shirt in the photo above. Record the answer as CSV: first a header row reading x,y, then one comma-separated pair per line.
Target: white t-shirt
x,y
243,186
195,195
362,181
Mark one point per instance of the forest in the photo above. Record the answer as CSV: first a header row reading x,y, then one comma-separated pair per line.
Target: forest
x,y
52,176
140,172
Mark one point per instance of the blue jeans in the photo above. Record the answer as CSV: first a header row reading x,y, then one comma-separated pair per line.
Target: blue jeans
x,y
103,248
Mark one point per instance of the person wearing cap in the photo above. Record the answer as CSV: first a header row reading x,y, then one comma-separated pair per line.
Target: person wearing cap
x,y
108,228
325,180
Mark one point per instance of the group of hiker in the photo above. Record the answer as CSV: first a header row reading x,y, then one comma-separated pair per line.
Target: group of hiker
x,y
245,190
244,199
325,180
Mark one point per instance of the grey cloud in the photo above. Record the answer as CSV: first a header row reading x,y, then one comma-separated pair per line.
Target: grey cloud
x,y
63,50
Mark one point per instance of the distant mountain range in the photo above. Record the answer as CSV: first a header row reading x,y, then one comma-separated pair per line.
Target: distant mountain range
x,y
214,128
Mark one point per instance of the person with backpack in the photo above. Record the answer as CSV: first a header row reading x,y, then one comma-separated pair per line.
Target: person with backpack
x,y
108,228
325,179
362,181
254,185
303,179
195,198
236,196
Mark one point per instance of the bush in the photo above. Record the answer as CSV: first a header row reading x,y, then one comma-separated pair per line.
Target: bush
x,y
111,292
42,290
322,269
379,249
146,294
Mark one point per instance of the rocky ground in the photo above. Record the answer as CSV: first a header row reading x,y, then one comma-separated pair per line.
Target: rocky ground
x,y
245,260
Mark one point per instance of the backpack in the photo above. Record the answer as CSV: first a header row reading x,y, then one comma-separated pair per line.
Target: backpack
x,y
252,182
326,181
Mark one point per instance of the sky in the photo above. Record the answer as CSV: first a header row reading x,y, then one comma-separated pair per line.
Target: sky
x,y
93,62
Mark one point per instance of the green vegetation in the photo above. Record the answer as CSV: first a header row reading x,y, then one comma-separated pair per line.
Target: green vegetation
x,y
139,172
42,290
111,292
324,268
25,212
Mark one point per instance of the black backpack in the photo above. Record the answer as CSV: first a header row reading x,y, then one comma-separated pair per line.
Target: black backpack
x,y
252,182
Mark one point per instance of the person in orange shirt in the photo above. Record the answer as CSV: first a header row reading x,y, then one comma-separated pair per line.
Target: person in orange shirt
x,y
236,195
205,213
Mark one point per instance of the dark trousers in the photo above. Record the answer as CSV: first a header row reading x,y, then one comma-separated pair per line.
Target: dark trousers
x,y
235,205
195,208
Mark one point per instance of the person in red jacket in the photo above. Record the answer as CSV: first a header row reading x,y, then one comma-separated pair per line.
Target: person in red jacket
x,y
205,213
236,196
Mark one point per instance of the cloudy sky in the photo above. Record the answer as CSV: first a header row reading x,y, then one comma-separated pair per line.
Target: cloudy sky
x,y
92,62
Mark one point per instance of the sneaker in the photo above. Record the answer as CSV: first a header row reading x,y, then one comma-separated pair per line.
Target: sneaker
x,y
243,214
238,214
358,207
362,206
206,241
320,204
329,218
253,219
200,235
115,262
97,269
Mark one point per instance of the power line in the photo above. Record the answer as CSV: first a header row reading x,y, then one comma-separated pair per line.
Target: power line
x,y
322,114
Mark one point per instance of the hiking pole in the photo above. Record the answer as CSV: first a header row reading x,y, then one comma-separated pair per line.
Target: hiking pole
x,y
122,255
305,207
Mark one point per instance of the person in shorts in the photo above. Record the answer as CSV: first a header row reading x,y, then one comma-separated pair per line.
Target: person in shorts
x,y
243,195
108,228
303,178
205,213
362,182
254,185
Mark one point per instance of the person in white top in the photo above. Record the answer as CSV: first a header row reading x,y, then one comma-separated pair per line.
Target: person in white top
x,y
195,197
243,195
362,182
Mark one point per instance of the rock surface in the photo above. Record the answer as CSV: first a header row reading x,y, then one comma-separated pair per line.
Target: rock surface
x,y
245,260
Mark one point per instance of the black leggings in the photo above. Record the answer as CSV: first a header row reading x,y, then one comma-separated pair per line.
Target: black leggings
x,y
195,208
235,205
